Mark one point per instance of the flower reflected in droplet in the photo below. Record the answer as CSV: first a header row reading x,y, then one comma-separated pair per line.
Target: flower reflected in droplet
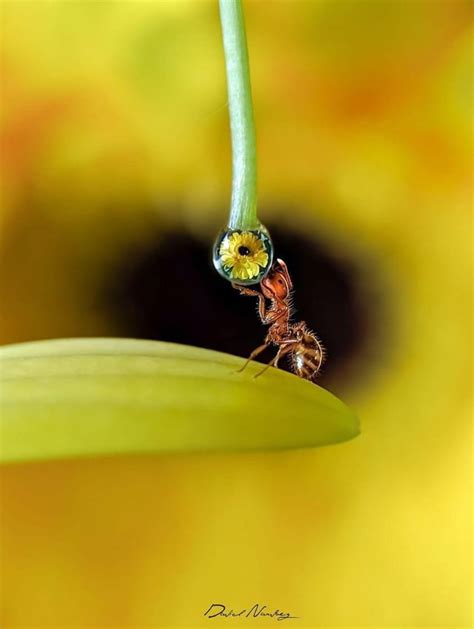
x,y
243,255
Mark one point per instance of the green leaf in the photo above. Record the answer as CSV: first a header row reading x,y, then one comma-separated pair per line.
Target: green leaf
x,y
87,397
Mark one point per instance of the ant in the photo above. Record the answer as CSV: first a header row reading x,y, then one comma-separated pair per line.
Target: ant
x,y
294,339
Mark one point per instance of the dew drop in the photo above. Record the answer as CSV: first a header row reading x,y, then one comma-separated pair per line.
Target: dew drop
x,y
243,256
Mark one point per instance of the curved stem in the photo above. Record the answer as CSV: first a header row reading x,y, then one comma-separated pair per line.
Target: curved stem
x,y
243,210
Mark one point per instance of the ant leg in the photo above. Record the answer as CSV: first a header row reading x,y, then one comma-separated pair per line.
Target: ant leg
x,y
262,308
243,290
255,352
274,363
266,317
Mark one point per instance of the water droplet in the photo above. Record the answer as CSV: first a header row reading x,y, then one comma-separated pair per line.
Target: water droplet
x,y
243,256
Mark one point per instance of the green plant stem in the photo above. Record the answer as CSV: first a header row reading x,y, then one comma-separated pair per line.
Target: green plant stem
x,y
243,210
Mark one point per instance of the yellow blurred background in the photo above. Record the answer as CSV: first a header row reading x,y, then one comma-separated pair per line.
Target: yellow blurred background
x,y
114,127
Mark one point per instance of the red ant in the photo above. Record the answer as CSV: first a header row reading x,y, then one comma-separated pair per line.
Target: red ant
x,y
303,346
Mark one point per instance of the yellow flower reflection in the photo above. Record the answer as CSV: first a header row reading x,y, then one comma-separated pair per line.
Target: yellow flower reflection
x,y
243,254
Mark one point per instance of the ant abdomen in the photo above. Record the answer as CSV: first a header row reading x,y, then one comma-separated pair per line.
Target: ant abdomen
x,y
307,356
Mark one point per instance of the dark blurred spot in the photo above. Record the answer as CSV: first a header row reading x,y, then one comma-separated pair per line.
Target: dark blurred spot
x,y
171,292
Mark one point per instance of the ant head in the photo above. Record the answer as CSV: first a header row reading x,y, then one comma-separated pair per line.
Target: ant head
x,y
278,282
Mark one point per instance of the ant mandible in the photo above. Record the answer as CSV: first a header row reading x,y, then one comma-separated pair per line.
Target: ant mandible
x,y
294,339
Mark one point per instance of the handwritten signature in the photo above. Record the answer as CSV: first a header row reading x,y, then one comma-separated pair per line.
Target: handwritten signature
x,y
217,609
